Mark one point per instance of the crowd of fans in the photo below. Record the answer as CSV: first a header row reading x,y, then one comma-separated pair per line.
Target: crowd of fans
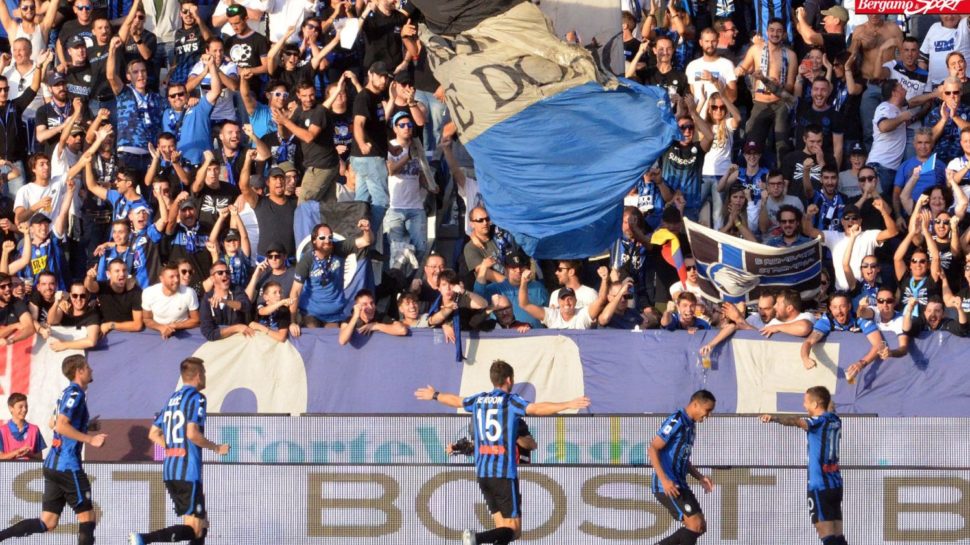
x,y
159,161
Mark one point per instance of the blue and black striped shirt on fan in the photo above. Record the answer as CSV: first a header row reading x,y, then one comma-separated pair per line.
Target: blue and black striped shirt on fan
x,y
65,453
183,458
496,416
677,431
824,435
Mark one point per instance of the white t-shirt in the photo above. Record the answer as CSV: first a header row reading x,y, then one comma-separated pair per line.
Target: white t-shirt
x,y
585,296
937,44
404,186
887,147
803,316
718,158
168,309
283,14
895,324
956,164
865,244
553,319
32,193
721,69
20,83
849,184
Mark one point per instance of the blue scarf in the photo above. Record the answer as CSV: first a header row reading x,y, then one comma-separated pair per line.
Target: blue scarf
x,y
455,323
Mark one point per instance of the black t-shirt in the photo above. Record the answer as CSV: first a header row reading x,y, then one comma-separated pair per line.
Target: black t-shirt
x,y
248,52
232,169
793,164
51,115
675,79
291,78
118,307
454,16
13,138
828,119
833,44
287,149
91,316
368,105
74,28
320,152
98,60
275,224
922,290
343,130
424,79
211,200
285,280
11,312
43,306
630,48
382,38
80,81
189,45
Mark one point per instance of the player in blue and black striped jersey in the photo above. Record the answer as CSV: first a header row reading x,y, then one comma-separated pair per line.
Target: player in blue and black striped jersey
x,y
64,478
179,429
496,416
669,453
824,429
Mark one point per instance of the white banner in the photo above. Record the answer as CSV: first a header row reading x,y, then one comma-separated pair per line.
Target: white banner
x,y
260,504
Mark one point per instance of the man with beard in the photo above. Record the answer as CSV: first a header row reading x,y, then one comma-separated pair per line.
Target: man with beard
x,y
703,73
15,321
274,210
567,315
119,298
52,115
183,237
188,119
821,112
321,274
368,154
790,220
310,125
774,66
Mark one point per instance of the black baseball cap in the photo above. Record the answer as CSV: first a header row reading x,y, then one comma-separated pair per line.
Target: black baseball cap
x,y
379,68
566,292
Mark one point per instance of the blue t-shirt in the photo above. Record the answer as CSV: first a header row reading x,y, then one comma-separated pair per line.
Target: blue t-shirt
x,y
109,255
183,458
240,268
824,435
262,121
496,417
46,257
323,284
139,118
141,244
827,324
192,129
538,295
675,323
927,177
65,453
120,206
677,431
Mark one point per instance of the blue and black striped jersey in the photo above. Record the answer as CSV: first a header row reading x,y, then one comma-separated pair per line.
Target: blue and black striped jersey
x,y
65,453
496,416
824,436
183,458
677,431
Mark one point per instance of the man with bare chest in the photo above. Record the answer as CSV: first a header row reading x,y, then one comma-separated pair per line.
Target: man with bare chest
x,y
873,42
773,67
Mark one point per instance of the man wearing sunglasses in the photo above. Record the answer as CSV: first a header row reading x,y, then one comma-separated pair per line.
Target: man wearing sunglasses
x,y
681,163
15,321
190,42
191,124
310,124
79,27
321,274
224,309
948,120
275,268
887,318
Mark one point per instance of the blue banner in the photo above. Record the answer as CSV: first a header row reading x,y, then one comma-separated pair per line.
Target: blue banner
x,y
622,372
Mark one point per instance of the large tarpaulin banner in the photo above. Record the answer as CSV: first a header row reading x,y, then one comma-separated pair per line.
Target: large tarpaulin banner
x,y
622,372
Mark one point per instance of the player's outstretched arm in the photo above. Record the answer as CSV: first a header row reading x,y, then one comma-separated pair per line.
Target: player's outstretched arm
x,y
63,426
428,393
548,408
792,420
194,433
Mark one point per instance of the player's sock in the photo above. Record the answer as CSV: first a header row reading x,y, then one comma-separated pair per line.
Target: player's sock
x,y
24,528
177,532
498,535
687,537
85,533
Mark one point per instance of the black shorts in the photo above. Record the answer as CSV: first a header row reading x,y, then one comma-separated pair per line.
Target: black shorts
x,y
188,497
66,487
825,505
684,505
502,496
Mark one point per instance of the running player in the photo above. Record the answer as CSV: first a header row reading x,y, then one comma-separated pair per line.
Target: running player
x,y
496,415
824,479
669,453
179,430
64,477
